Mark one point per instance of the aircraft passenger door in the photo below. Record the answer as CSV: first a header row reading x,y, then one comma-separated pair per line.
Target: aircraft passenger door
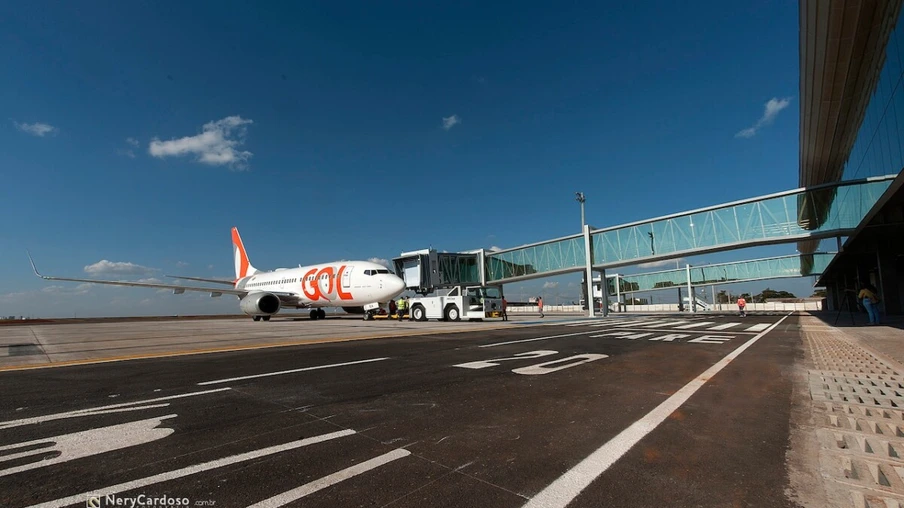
x,y
347,278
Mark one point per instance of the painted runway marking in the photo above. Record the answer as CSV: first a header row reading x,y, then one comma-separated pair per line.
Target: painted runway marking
x,y
640,323
327,481
695,325
725,326
190,470
283,372
84,444
113,408
544,368
482,364
567,487
664,324
757,328
622,335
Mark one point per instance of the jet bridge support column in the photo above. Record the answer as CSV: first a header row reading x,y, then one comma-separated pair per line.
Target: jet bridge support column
x,y
588,271
690,291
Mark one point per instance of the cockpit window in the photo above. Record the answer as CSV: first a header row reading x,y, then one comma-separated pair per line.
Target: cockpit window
x,y
369,272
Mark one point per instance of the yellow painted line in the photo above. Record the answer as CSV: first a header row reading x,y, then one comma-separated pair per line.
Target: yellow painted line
x,y
226,349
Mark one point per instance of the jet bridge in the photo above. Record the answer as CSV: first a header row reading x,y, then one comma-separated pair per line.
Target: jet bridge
x,y
425,271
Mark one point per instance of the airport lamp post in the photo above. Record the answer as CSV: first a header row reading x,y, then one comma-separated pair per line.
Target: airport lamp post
x,y
579,197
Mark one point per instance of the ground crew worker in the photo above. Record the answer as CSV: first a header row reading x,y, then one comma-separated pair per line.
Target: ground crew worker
x,y
504,309
402,306
742,307
540,305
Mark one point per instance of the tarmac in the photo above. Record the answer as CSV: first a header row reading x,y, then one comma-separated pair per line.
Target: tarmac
x,y
655,410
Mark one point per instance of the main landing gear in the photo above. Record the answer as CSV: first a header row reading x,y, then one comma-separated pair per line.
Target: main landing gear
x,y
258,318
318,314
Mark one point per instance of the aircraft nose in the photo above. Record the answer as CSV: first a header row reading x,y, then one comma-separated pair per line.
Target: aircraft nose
x,y
396,284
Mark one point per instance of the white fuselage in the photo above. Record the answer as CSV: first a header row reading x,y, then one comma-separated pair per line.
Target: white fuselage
x,y
338,284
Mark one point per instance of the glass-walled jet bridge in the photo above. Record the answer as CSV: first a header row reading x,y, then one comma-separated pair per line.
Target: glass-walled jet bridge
x,y
825,211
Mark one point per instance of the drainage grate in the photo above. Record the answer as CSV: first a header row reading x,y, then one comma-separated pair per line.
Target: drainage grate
x,y
858,402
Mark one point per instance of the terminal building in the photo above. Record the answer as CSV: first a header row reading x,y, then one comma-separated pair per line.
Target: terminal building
x,y
852,127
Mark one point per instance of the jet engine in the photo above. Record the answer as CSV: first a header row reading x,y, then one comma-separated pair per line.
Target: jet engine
x,y
256,304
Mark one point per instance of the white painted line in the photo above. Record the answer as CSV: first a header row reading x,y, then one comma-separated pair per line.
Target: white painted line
x,y
567,487
327,481
640,322
113,408
756,328
538,338
664,324
190,470
303,369
724,326
695,325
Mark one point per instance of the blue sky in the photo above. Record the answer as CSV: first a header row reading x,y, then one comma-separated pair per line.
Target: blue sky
x,y
140,132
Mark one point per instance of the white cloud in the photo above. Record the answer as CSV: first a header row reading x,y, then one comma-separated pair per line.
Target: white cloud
x,y
104,267
36,129
151,280
661,263
210,267
380,261
550,285
450,121
132,141
494,248
181,264
215,146
81,289
773,108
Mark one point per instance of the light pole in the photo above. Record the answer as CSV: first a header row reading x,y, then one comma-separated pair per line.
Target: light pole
x,y
579,197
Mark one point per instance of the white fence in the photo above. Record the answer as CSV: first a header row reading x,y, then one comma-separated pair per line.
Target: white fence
x,y
815,305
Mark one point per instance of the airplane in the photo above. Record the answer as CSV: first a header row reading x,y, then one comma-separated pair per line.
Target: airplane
x,y
352,285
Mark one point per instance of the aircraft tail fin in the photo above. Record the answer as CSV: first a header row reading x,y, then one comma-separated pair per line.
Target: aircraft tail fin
x,y
243,266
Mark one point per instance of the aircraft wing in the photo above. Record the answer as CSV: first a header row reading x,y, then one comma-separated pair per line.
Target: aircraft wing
x,y
236,292
202,279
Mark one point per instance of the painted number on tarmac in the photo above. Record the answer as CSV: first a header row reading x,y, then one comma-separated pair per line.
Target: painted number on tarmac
x,y
540,368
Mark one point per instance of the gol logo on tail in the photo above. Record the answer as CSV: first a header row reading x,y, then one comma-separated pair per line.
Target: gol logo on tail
x,y
311,287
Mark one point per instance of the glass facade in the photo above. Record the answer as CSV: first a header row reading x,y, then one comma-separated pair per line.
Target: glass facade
x,y
458,268
879,147
548,258
769,220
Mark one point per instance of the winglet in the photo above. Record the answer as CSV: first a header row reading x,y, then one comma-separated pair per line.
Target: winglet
x,y
33,267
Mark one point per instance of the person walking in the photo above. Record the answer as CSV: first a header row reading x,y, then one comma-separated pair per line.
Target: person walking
x,y
540,305
504,309
401,306
870,301
742,307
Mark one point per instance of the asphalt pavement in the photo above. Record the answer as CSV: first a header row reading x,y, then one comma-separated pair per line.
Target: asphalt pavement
x,y
639,411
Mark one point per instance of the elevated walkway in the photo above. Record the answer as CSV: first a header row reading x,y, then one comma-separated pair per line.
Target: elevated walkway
x,y
773,219
779,267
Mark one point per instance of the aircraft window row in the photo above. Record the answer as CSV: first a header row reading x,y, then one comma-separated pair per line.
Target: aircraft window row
x,y
309,278
271,282
375,272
